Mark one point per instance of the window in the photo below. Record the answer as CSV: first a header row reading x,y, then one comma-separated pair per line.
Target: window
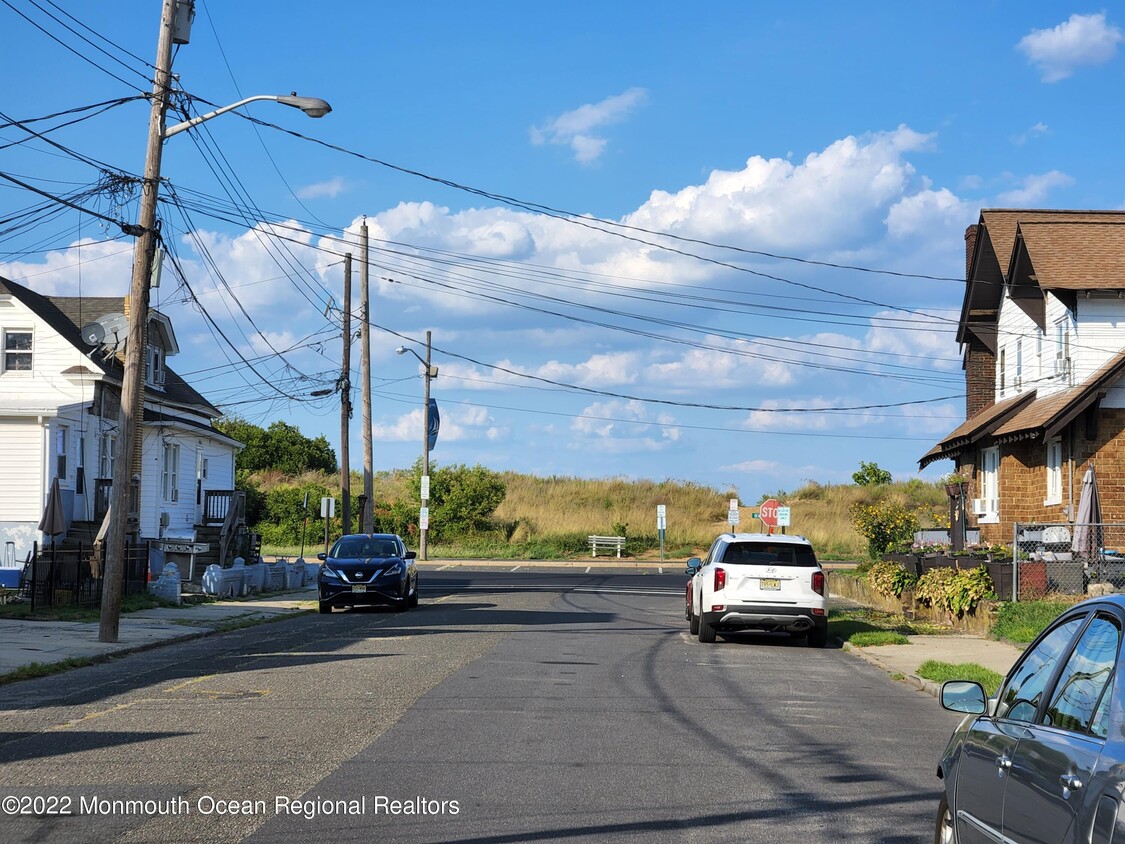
x,y
1020,698
1019,364
107,451
990,483
1062,347
1054,472
62,438
1085,677
154,372
169,477
1039,355
17,351
1002,371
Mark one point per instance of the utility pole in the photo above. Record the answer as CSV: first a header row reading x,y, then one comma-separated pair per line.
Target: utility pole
x,y
130,430
430,373
365,376
346,399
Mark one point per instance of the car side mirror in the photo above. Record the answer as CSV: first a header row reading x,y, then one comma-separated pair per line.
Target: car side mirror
x,y
965,696
322,556
410,555
693,566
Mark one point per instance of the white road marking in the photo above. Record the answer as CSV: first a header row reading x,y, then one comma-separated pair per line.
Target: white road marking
x,y
517,568
587,570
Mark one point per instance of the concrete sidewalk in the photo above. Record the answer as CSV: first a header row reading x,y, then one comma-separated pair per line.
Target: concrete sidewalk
x,y
25,642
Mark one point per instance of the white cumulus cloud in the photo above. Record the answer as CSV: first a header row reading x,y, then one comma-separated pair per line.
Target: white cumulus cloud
x,y
1080,40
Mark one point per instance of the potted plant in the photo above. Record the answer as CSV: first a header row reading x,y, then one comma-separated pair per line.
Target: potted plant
x,y
955,484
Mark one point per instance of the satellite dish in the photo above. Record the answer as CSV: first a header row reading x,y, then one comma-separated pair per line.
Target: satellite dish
x,y
93,333
109,330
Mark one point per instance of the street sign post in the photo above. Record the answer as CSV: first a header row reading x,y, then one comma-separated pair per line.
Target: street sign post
x,y
767,512
783,517
661,526
732,513
424,517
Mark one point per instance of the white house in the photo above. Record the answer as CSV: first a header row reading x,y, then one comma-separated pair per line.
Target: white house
x,y
59,404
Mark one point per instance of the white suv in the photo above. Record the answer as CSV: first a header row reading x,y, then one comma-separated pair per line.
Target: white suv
x,y
756,581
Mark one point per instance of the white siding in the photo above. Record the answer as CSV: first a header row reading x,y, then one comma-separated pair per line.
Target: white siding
x,y
1039,369
21,443
44,386
1101,335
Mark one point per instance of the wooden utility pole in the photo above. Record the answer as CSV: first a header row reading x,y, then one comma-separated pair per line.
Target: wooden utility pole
x,y
130,427
365,376
346,400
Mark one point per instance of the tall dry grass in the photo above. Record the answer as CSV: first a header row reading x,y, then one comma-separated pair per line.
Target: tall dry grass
x,y
539,508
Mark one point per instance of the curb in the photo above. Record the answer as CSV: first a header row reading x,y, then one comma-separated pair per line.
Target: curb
x,y
920,683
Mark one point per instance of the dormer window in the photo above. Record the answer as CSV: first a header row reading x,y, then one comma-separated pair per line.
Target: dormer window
x,y
154,372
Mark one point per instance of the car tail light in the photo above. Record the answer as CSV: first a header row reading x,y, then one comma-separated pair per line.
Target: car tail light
x,y
818,582
720,580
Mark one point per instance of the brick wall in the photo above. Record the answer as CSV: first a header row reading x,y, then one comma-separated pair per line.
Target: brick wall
x,y
980,376
1023,477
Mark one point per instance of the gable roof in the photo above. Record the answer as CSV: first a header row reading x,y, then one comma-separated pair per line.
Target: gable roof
x,y
1070,255
67,314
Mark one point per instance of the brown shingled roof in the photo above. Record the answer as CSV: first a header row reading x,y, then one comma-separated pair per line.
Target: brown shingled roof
x,y
1069,255
971,430
1002,222
1051,414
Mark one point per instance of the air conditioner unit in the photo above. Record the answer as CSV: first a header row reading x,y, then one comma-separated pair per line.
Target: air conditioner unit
x,y
980,507
165,520
1062,365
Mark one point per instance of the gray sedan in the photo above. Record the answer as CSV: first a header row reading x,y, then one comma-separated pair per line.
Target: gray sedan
x,y
1043,761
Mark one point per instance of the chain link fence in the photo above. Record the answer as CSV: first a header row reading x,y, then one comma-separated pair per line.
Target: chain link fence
x,y
1068,559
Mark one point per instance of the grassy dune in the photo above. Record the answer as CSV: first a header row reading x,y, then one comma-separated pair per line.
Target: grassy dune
x,y
549,517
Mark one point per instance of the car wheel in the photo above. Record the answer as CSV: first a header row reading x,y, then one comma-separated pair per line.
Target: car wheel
x,y
413,601
817,637
693,623
325,608
706,630
943,829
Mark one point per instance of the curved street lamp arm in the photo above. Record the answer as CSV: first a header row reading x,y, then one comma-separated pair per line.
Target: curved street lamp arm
x,y
312,106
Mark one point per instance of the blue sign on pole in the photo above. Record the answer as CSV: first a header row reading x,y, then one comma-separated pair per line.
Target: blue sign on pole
x,y
435,423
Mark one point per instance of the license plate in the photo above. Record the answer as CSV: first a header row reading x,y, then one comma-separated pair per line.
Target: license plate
x,y
359,588
769,583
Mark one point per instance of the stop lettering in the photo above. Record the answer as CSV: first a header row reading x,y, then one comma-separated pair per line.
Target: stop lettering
x,y
767,512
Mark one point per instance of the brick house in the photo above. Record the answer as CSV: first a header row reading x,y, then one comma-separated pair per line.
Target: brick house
x,y
1042,334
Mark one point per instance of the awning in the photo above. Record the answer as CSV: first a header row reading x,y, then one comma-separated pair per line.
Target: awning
x,y
979,426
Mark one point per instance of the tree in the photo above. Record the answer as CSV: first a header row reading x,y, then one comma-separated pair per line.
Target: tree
x,y
281,447
463,499
870,474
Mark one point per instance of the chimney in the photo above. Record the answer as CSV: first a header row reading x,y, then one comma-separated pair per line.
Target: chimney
x,y
970,247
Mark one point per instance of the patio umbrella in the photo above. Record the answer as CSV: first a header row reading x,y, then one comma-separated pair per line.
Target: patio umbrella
x,y
1088,522
53,522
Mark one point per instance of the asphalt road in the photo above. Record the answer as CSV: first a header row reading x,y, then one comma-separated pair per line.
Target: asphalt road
x,y
509,707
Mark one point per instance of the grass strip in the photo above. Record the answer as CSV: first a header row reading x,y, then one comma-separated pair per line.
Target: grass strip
x,y
43,669
940,672
1021,621
871,638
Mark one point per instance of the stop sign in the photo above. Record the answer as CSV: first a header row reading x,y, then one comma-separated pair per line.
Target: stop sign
x,y
767,512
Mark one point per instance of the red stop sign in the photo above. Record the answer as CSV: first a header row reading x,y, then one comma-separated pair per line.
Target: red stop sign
x,y
767,512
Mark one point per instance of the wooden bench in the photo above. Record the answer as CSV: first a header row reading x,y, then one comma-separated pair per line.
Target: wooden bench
x,y
607,542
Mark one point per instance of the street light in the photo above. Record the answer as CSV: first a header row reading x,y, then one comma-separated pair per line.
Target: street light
x,y
312,106
130,425
431,372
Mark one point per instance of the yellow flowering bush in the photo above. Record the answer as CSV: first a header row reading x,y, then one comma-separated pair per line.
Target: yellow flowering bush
x,y
883,524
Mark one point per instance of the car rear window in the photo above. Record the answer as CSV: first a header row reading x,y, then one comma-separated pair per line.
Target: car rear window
x,y
365,548
769,554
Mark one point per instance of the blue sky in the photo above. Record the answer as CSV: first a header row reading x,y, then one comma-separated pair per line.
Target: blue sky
x,y
809,131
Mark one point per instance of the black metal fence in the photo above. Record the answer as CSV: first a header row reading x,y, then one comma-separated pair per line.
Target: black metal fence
x,y
72,576
1072,559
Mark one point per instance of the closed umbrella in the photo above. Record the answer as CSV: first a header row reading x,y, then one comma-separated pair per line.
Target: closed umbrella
x,y
53,522
1087,542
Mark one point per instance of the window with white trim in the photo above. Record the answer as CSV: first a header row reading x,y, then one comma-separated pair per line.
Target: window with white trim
x,y
1054,472
1019,364
154,369
169,476
62,440
1002,372
1062,347
990,484
17,350
107,450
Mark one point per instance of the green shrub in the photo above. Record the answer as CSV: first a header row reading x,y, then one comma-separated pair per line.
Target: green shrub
x,y
955,591
882,524
889,578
